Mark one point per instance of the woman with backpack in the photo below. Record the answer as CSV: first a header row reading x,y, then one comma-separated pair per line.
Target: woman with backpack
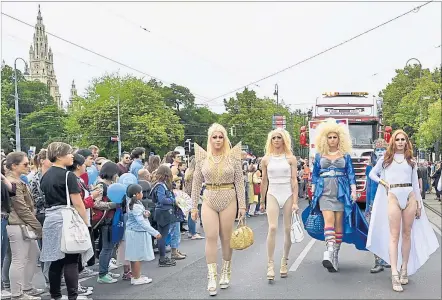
x,y
164,199
102,216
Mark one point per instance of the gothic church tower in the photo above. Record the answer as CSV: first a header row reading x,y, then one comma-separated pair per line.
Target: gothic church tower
x,y
41,61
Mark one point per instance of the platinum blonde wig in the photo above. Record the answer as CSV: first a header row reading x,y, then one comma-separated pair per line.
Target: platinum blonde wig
x,y
270,149
218,128
330,126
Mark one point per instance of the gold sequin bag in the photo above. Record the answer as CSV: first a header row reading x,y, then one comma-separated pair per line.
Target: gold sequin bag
x,y
242,238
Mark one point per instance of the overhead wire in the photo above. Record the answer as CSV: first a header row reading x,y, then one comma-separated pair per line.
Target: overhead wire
x,y
96,53
414,10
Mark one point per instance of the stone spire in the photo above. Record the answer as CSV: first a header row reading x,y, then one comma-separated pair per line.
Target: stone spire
x,y
73,93
41,60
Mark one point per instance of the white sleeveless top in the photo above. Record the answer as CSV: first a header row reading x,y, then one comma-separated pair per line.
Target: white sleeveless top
x,y
279,170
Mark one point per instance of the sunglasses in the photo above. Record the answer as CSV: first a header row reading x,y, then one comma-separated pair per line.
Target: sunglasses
x,y
401,139
332,137
276,137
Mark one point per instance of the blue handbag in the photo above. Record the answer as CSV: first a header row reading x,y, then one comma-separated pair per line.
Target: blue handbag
x,y
314,223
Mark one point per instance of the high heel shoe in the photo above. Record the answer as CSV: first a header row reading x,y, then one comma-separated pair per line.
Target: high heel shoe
x,y
270,271
396,282
283,270
212,276
226,270
403,276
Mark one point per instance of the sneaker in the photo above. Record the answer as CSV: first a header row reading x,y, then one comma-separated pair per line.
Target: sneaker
x,y
87,273
113,275
141,280
6,294
26,297
84,291
166,262
64,297
127,276
34,292
113,264
106,279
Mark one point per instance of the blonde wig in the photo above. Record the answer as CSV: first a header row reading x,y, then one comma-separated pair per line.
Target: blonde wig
x,y
218,128
330,126
269,149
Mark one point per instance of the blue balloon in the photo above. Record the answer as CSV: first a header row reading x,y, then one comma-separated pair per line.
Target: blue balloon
x,y
92,174
128,179
116,192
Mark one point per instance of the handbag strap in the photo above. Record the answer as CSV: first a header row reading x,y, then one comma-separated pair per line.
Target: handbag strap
x,y
68,198
241,223
295,217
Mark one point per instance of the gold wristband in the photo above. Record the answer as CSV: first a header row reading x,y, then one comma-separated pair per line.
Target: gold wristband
x,y
384,183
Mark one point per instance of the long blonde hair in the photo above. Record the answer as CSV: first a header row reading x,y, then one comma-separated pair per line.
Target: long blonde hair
x,y
270,149
330,126
218,128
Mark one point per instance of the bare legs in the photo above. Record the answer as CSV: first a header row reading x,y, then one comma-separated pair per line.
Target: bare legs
x,y
218,225
396,216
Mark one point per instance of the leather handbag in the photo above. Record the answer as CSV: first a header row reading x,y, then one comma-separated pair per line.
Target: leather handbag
x,y
314,223
296,231
242,238
75,236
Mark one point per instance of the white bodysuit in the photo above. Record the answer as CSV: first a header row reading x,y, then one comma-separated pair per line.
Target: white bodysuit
x,y
397,173
280,179
423,239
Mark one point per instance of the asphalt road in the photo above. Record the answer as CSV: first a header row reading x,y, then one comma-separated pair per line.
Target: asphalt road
x,y
307,277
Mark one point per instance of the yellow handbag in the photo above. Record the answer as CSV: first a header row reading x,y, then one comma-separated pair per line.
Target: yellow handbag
x,y
242,237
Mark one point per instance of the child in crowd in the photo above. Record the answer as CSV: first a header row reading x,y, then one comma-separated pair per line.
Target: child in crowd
x,y
137,235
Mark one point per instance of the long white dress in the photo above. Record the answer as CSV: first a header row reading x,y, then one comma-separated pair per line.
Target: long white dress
x,y
423,239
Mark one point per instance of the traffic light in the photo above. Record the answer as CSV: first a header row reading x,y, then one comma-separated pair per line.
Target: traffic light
x,y
189,146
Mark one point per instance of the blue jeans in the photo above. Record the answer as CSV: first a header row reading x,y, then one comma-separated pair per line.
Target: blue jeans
x,y
175,235
106,250
192,225
5,240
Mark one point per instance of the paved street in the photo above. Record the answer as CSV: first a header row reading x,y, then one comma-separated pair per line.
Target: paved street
x,y
307,278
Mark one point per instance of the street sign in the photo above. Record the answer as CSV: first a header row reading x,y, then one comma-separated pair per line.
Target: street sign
x,y
278,121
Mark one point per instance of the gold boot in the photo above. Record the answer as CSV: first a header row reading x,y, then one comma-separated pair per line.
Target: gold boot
x,y
212,276
270,271
403,276
283,271
226,270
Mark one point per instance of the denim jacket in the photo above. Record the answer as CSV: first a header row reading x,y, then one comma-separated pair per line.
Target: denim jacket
x,y
136,220
164,199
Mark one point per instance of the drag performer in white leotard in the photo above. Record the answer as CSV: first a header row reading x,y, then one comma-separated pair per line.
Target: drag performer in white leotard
x,y
279,174
397,214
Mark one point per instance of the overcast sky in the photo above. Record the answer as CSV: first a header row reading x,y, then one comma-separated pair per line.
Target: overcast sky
x,y
213,48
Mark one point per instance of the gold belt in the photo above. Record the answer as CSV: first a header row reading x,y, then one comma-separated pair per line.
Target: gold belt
x,y
400,185
219,186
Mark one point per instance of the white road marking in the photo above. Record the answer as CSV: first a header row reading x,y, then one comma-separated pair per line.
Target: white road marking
x,y
301,256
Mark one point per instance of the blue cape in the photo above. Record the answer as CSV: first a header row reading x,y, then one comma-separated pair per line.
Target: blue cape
x,y
355,227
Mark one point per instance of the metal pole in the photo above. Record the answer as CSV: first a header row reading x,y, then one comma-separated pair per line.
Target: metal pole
x,y
119,132
17,112
276,93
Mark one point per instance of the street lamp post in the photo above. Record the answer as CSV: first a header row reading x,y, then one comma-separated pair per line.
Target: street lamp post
x,y
420,107
17,113
276,93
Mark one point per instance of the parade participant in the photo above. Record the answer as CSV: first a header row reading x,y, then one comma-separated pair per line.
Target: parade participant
x,y
379,150
397,213
220,169
334,193
279,174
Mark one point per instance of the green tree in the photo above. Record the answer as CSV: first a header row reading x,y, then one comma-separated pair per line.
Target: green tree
x,y
145,118
408,97
40,119
249,118
430,131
